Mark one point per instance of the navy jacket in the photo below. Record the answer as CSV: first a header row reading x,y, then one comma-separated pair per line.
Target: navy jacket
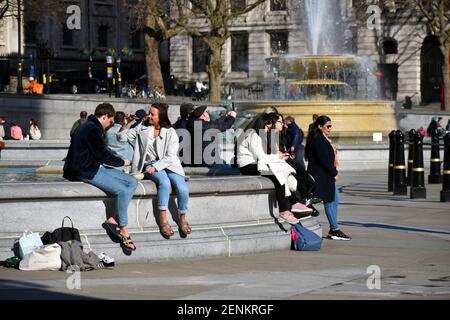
x,y
294,137
88,151
320,155
221,124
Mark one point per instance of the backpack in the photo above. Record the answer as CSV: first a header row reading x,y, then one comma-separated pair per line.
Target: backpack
x,y
304,239
16,132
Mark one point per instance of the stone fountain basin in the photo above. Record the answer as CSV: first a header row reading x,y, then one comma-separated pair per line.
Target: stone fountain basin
x,y
353,121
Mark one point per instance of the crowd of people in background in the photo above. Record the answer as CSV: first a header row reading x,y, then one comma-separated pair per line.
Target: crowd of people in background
x,y
13,131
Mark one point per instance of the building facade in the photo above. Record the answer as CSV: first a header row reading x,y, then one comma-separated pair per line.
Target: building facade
x,y
406,57
103,26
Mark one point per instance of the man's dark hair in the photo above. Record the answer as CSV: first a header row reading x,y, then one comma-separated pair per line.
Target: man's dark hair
x,y
290,118
104,109
118,118
163,108
3,118
83,114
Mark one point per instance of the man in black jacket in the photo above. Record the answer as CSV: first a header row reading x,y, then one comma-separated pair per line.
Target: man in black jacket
x,y
203,131
85,162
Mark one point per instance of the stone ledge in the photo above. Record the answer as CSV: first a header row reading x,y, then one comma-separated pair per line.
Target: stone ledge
x,y
228,216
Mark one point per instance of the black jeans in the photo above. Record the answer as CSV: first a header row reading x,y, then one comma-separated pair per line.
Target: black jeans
x,y
284,203
305,185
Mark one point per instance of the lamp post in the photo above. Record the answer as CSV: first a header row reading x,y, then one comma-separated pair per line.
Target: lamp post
x,y
19,65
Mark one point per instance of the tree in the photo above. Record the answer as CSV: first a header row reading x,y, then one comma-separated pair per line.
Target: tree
x,y
218,15
32,8
153,17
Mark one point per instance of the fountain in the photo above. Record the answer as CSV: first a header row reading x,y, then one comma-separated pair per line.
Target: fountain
x,y
329,80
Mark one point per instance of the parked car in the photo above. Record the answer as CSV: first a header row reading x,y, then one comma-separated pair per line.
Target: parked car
x,y
75,81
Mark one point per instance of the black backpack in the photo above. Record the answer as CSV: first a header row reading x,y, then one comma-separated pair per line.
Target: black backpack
x,y
61,234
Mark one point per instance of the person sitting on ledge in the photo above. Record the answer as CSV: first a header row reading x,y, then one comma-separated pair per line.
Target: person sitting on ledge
x,y
253,160
156,154
198,124
86,161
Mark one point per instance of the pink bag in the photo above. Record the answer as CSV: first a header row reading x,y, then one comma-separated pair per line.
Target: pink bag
x,y
16,132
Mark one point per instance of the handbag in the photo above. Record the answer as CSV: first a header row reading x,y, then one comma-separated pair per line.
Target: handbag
x,y
29,242
65,233
46,258
2,145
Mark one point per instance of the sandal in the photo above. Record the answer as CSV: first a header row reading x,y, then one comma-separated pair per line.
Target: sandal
x,y
126,242
166,230
112,230
184,227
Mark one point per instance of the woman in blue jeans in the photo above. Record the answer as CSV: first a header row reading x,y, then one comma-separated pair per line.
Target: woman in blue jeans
x,y
156,154
322,165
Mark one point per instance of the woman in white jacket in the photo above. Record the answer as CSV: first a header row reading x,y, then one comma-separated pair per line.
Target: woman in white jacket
x,y
253,159
156,154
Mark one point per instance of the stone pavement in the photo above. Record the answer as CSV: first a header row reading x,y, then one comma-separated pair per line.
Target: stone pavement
x,y
408,240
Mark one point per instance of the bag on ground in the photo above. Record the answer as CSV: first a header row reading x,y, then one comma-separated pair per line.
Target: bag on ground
x,y
304,239
29,242
45,258
65,233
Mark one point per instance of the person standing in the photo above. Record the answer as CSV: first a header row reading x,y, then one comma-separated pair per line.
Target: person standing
x,y
314,118
86,160
321,154
294,140
79,122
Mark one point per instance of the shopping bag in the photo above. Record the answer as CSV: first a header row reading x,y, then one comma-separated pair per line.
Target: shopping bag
x,y
45,258
29,242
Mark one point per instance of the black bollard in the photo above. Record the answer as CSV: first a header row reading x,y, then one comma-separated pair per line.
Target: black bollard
x,y
400,187
435,176
411,134
418,190
391,161
445,193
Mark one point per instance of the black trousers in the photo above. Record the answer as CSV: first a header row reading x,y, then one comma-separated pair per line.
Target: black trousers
x,y
305,184
284,203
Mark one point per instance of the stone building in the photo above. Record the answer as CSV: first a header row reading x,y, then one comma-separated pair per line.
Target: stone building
x,y
103,25
406,57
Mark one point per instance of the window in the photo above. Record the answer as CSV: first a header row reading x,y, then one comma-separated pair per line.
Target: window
x,y
238,5
136,39
30,32
200,54
390,46
67,36
279,42
239,51
277,5
103,36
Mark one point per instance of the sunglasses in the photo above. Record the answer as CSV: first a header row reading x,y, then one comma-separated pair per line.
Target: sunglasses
x,y
328,126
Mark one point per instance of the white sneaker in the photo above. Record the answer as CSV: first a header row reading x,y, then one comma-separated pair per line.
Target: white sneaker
x,y
288,217
102,256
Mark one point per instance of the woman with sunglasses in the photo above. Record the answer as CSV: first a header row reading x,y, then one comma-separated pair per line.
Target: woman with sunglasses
x,y
322,165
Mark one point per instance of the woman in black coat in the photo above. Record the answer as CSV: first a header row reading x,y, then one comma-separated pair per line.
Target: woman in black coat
x,y
322,165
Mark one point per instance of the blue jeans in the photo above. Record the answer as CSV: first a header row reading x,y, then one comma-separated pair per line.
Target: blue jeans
x,y
118,184
331,210
164,179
